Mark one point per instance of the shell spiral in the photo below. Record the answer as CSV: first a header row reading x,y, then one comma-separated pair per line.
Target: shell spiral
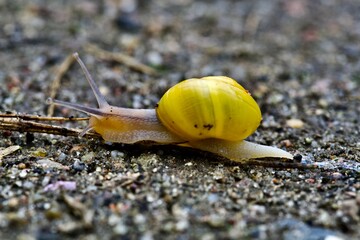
x,y
210,107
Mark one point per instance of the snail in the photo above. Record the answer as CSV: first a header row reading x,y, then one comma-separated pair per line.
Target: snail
x,y
213,114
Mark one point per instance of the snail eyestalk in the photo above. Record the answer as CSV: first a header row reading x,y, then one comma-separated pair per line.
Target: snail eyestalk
x,y
99,97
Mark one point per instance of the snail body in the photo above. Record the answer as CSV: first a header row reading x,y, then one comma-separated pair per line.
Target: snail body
x,y
213,114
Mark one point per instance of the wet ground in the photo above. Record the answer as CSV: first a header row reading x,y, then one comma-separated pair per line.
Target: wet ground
x,y
298,58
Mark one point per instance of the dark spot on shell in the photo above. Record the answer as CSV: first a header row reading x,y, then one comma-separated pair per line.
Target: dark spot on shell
x,y
195,126
208,126
157,105
298,157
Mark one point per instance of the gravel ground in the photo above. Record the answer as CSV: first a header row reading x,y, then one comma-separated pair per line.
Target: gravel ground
x,y
299,59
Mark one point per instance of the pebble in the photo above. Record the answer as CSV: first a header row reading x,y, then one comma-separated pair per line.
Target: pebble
x,y
208,236
182,225
115,154
298,157
13,202
139,219
113,219
216,221
219,178
332,237
18,218
295,123
287,143
257,210
62,156
337,175
91,188
24,236
39,152
212,198
276,181
154,58
147,236
47,164
22,166
310,181
18,183
23,173
28,184
66,185
120,229
168,227
78,165
88,157
53,213
308,140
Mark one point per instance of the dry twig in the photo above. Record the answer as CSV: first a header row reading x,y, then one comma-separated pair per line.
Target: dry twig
x,y
40,118
65,65
27,123
8,150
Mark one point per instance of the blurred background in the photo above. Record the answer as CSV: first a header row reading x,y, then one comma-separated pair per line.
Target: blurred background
x,y
298,58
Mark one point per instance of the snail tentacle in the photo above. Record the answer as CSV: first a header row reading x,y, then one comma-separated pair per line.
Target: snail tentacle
x,y
88,110
99,97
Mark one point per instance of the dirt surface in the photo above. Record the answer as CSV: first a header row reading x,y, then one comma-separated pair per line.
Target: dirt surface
x,y
298,58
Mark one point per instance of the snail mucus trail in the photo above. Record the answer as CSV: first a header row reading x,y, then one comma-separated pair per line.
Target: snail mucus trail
x,y
213,114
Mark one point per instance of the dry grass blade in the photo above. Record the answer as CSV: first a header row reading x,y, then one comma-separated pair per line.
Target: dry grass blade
x,y
121,58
